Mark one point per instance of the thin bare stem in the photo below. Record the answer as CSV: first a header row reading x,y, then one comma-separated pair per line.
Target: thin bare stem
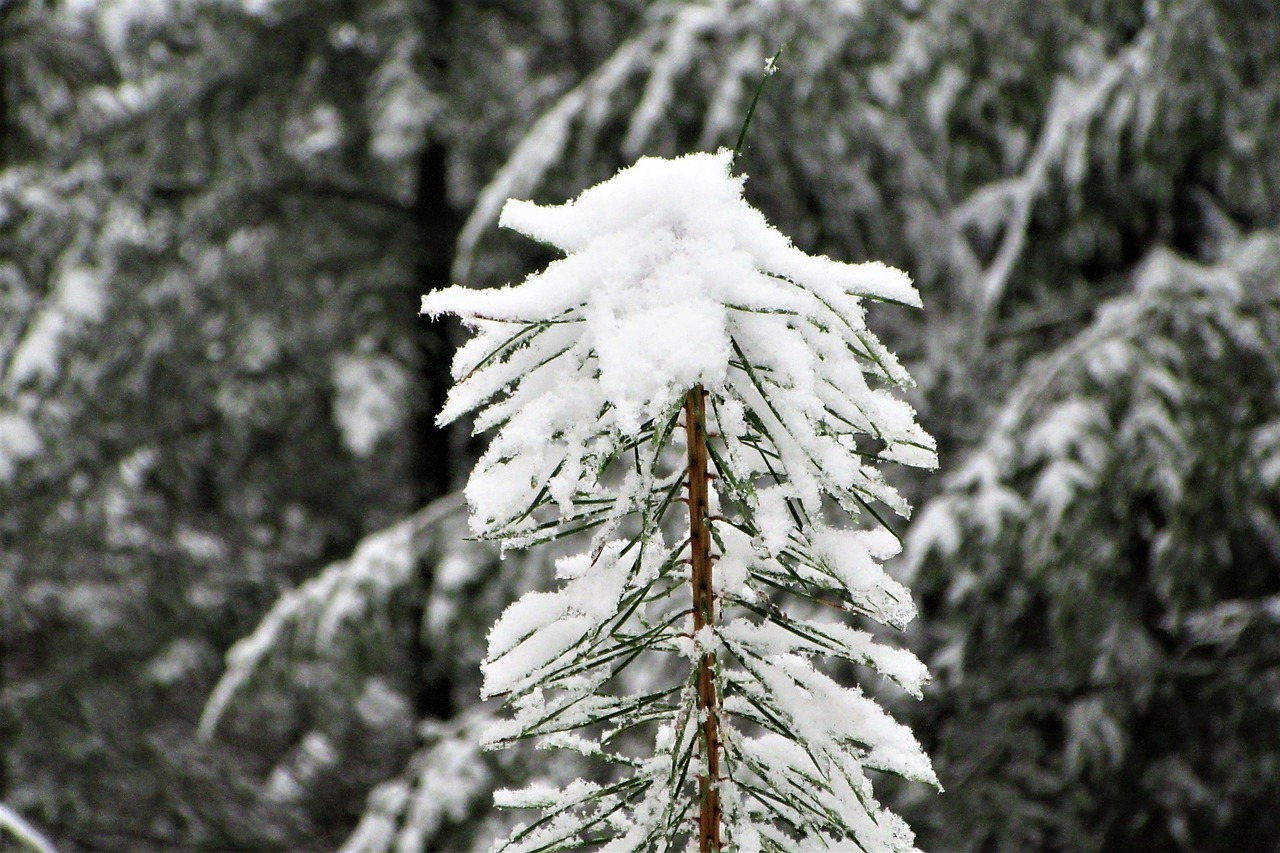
x,y
703,615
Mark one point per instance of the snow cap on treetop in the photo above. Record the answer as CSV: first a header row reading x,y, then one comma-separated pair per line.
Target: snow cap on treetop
x,y
694,193
657,257
694,207
672,282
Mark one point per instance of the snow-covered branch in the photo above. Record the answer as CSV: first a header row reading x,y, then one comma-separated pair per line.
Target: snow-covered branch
x,y
338,608
27,835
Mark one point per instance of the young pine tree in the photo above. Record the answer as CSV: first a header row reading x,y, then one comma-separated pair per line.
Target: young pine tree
x,y
704,399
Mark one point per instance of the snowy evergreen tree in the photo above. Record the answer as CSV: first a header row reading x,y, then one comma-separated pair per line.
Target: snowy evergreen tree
x,y
215,402
1034,155
1118,532
684,351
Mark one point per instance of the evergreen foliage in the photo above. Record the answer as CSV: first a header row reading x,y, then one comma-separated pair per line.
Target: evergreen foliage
x,y
1118,532
186,297
215,218
676,300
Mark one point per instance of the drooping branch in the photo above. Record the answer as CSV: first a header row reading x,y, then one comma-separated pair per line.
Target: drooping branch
x,y
703,615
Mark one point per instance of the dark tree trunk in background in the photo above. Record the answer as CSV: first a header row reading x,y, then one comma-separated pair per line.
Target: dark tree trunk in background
x,y
436,228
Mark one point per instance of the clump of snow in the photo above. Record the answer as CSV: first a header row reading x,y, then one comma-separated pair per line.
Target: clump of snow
x,y
78,298
317,133
312,757
445,781
672,280
117,19
403,106
18,441
537,629
369,405
380,705
773,518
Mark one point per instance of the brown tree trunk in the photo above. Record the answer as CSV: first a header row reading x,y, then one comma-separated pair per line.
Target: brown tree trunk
x,y
703,614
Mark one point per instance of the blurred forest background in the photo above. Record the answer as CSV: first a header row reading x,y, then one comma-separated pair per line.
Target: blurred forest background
x,y
217,399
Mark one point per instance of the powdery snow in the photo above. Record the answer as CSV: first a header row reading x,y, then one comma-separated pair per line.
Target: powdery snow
x,y
369,403
671,280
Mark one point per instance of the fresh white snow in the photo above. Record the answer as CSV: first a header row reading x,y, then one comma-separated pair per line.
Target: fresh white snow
x,y
670,280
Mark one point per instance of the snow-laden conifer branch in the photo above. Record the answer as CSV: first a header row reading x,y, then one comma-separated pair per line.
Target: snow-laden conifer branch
x,y
28,837
684,340
343,615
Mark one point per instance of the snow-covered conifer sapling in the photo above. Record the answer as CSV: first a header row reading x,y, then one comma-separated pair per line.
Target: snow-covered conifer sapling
x,y
701,405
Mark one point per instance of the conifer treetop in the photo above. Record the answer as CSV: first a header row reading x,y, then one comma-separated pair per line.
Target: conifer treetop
x,y
667,270
677,300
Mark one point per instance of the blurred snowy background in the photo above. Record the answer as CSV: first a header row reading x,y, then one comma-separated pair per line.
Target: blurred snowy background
x,y
216,398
